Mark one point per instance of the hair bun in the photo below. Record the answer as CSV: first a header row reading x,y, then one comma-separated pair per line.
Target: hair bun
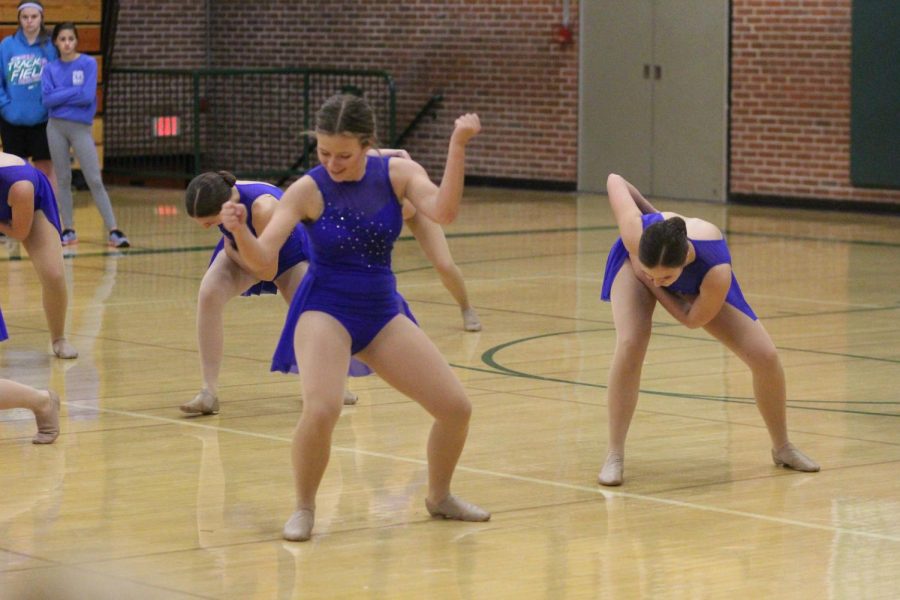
x,y
228,178
676,225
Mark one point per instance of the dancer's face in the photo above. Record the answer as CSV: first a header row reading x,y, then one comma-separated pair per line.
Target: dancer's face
x,y
342,156
662,276
207,222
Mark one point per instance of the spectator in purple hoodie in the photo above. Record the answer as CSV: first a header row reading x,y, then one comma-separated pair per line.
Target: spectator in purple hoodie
x,y
70,93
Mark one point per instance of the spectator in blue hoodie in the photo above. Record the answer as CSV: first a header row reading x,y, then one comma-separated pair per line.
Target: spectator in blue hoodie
x,y
70,93
23,118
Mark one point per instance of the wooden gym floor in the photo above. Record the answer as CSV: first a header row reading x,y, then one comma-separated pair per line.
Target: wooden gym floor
x,y
136,501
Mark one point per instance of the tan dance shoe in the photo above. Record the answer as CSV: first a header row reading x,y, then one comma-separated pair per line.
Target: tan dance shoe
x,y
204,403
790,457
299,527
457,509
612,472
48,424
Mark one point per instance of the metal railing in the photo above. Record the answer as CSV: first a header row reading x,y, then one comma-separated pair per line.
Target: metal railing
x,y
177,123
109,24
428,110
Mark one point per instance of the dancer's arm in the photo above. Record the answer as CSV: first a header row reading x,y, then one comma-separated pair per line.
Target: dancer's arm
x,y
626,212
263,208
642,203
701,309
232,252
21,201
260,255
392,152
438,203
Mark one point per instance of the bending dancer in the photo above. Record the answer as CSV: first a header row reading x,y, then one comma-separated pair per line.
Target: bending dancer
x,y
44,404
228,275
683,264
347,304
28,214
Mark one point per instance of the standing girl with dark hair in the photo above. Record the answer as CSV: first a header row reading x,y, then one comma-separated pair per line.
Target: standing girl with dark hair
x,y
23,117
684,265
346,306
70,92
228,275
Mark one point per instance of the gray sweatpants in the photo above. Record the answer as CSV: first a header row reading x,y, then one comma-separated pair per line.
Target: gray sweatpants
x,y
60,135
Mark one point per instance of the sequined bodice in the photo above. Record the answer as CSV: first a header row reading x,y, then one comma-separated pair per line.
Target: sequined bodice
x,y
361,220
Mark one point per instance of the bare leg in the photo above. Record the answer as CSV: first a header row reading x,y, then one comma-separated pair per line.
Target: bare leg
x,y
44,404
223,281
406,359
322,346
632,307
288,283
750,341
431,238
45,250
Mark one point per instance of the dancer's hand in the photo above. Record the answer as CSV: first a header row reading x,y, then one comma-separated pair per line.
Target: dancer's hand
x,y
234,216
465,128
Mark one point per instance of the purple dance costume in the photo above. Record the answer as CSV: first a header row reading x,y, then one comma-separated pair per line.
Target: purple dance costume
x,y
44,199
350,276
292,252
709,254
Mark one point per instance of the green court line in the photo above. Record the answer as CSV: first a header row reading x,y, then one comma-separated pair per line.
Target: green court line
x,y
122,253
511,232
488,357
786,348
727,232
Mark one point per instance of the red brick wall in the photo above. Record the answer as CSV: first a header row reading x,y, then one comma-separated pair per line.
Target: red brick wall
x,y
160,34
493,57
790,114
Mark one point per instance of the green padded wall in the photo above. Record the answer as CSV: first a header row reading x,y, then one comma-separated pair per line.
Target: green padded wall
x,y
875,94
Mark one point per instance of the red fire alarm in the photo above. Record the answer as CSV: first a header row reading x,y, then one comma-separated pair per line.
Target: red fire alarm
x,y
562,34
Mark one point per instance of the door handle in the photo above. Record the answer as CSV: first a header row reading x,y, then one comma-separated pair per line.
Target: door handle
x,y
646,71
657,72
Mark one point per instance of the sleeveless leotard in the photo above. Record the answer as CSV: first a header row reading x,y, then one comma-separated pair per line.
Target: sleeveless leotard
x,y
4,335
350,275
709,254
44,199
292,252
